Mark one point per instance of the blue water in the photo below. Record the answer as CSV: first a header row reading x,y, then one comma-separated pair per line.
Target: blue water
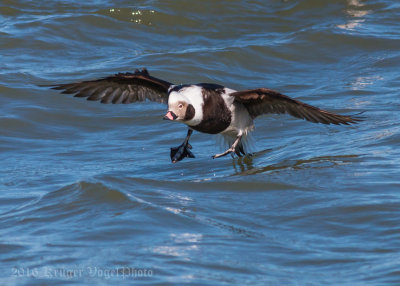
x,y
88,195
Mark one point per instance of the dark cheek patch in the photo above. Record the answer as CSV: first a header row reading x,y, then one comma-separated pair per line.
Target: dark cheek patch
x,y
189,112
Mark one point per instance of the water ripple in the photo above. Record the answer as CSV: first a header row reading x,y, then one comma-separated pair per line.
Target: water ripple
x,y
88,186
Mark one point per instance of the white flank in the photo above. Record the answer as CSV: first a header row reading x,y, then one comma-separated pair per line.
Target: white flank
x,y
241,123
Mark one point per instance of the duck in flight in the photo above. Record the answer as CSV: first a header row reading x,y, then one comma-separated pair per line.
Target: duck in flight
x,y
204,107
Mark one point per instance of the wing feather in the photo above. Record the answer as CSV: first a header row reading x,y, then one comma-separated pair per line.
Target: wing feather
x,y
263,100
120,88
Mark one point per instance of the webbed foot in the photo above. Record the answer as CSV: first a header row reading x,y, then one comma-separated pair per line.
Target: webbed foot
x,y
180,152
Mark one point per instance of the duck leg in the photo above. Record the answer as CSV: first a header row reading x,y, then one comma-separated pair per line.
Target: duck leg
x,y
183,150
232,149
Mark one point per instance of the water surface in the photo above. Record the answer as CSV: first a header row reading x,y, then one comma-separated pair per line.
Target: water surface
x,y
88,193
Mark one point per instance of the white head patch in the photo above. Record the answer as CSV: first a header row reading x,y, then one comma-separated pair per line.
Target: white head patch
x,y
192,95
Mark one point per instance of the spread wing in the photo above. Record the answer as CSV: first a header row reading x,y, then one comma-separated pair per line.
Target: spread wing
x,y
262,100
120,88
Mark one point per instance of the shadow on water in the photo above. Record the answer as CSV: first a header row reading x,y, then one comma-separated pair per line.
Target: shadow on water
x,y
244,166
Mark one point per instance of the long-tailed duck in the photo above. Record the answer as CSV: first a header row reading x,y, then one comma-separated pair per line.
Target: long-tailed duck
x,y
204,107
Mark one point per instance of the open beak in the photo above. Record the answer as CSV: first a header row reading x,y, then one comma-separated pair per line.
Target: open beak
x,y
170,116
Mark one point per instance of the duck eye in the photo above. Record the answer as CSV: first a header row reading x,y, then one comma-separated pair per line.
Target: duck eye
x,y
180,105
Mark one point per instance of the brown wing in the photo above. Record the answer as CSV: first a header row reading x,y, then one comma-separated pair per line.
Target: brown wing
x,y
262,100
120,88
